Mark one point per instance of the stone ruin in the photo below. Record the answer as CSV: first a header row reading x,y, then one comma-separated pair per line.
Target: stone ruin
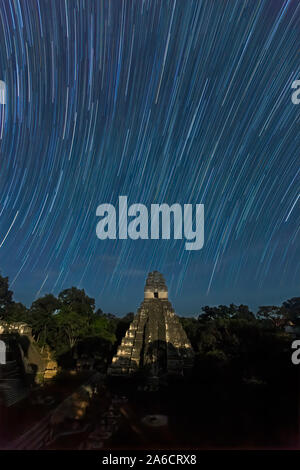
x,y
22,363
155,342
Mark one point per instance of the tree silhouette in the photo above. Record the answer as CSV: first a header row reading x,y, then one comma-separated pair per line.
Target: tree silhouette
x,y
5,296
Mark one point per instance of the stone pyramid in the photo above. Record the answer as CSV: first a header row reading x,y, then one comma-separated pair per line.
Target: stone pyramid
x,y
155,341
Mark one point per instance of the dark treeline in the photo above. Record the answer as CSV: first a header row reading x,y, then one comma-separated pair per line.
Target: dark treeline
x,y
224,338
231,341
69,324
243,387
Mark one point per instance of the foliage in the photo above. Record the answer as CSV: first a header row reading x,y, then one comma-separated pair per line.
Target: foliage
x,y
5,296
226,339
16,312
41,318
273,315
232,340
77,301
292,310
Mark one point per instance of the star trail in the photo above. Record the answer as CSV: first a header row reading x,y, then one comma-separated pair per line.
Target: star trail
x,y
161,101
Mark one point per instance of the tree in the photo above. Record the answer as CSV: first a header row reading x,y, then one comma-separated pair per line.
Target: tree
x,y
5,296
71,325
17,312
10,311
41,318
77,300
272,314
192,328
292,309
100,328
212,313
241,312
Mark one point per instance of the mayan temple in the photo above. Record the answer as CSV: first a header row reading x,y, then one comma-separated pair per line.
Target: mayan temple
x,y
155,341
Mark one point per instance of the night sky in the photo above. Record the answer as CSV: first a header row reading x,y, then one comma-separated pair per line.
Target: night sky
x,y
162,101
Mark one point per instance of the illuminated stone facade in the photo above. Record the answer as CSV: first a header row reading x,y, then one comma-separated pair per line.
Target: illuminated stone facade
x,y
155,341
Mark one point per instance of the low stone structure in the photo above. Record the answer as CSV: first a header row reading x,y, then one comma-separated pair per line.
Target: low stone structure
x,y
155,342
16,327
24,362
50,365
